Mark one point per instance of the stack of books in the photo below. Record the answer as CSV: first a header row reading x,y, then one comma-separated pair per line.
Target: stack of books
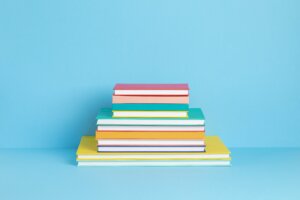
x,y
151,125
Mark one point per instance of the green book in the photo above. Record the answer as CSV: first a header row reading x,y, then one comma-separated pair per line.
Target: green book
x,y
195,117
150,107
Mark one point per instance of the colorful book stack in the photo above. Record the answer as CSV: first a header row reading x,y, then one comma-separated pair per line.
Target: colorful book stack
x,y
151,125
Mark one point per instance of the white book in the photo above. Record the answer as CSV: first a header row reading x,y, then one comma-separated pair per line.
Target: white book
x,y
151,128
149,156
149,142
155,163
181,114
149,122
151,92
151,149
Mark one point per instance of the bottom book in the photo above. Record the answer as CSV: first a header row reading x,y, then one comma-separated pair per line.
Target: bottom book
x,y
156,163
216,154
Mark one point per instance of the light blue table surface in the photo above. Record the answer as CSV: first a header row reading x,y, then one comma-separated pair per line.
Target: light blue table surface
x,y
256,173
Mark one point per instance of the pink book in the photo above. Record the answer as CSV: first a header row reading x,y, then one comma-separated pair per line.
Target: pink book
x,y
151,99
151,89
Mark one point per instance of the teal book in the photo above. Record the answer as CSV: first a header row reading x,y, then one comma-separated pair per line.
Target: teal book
x,y
151,107
195,117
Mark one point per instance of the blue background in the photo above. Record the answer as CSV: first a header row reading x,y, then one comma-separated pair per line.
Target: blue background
x,y
59,61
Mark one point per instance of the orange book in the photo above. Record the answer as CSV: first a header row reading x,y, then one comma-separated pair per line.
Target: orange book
x,y
148,135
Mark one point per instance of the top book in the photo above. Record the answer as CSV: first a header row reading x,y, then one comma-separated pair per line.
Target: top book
x,y
151,89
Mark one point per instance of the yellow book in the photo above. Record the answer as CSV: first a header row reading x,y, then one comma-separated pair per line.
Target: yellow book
x,y
150,114
149,135
215,150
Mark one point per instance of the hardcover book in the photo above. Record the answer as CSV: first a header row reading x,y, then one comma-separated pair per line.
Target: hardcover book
x,y
150,114
215,150
195,117
149,135
150,99
150,149
156,107
151,128
150,142
151,89
170,163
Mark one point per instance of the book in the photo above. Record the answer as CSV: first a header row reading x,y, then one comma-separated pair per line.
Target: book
x,y
156,163
151,89
150,114
150,99
150,107
195,117
150,142
149,135
150,149
152,128
215,150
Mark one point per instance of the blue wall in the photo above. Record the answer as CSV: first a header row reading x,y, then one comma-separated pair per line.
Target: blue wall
x,y
60,59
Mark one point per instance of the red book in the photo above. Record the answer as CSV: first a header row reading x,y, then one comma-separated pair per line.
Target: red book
x,y
151,89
